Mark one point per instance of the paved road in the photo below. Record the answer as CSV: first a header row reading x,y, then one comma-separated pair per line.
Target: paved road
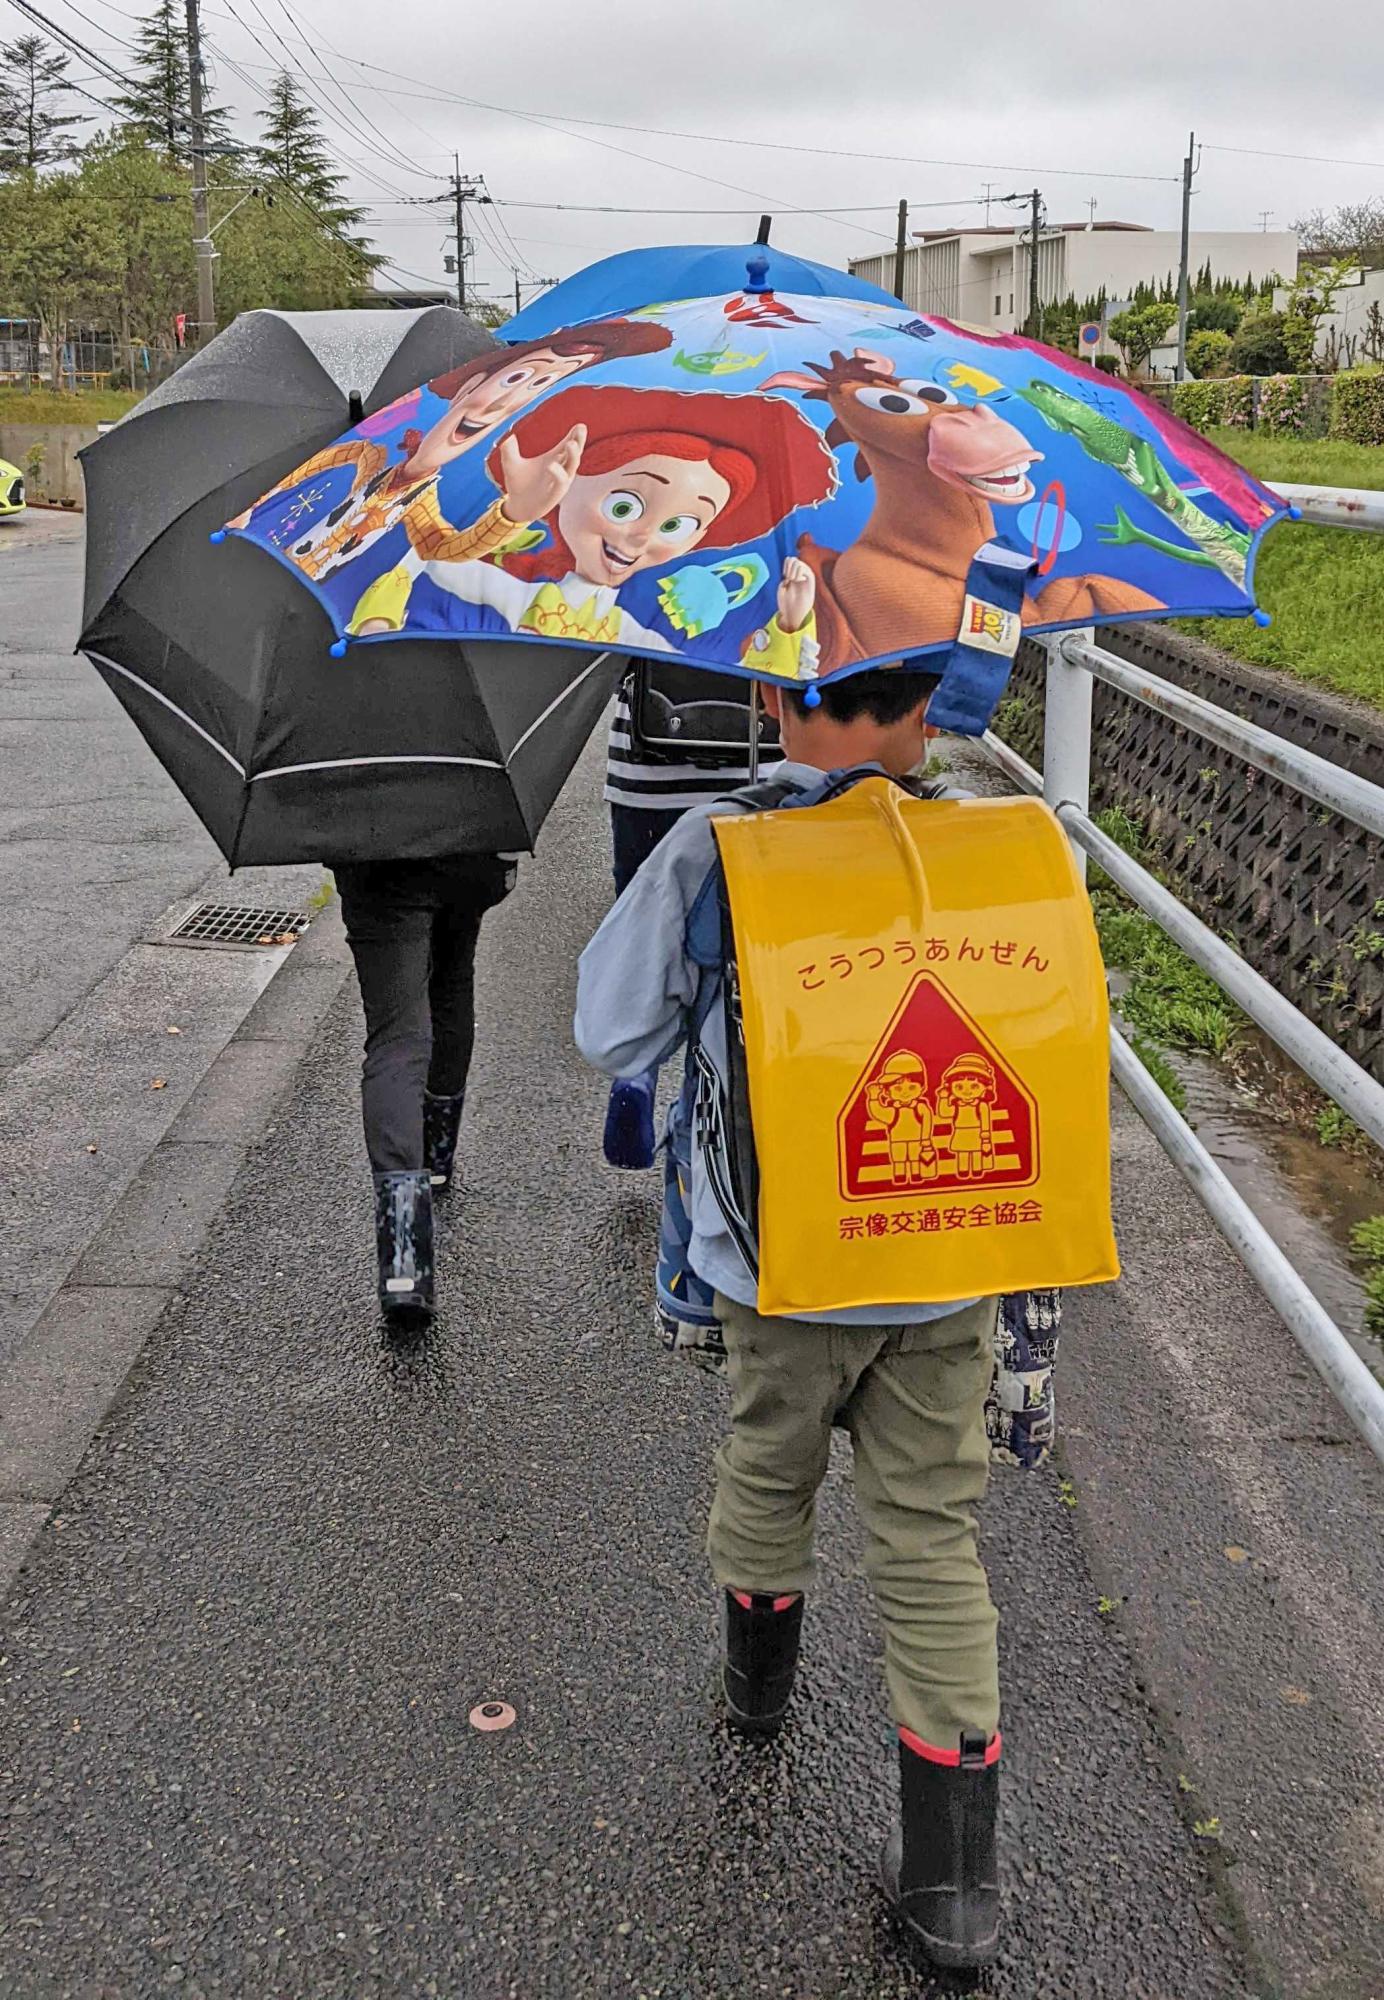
x,y
234,1749
94,839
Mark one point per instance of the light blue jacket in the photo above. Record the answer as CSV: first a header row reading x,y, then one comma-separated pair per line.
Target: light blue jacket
x,y
636,985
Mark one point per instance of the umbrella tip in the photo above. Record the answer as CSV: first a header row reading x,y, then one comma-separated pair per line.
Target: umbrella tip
x,y
1263,617
758,270
812,696
217,538
338,649
1295,513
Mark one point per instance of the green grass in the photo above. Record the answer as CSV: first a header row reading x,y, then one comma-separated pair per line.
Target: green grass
x,y
49,406
1322,586
1367,1240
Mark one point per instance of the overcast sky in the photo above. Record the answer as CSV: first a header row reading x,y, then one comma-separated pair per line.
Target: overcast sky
x,y
1011,91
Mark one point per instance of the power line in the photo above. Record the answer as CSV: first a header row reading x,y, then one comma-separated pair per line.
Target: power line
x,y
69,41
1313,159
326,76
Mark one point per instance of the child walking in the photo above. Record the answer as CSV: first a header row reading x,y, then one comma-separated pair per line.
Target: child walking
x,y
908,1383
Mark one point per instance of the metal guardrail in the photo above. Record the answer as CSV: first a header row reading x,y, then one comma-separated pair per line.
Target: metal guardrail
x,y
1075,662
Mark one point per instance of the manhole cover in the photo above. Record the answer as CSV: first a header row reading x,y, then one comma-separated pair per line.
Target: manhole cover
x,y
237,927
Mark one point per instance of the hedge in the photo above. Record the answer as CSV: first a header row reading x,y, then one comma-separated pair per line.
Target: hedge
x,y
1357,406
1221,399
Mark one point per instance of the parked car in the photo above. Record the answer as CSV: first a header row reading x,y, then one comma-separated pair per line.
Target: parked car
x,y
11,489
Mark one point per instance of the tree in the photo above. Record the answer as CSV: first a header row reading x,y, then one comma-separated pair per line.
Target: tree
x,y
1208,351
291,150
61,256
34,130
1258,347
156,105
1143,328
283,253
1311,296
1214,310
1356,230
149,203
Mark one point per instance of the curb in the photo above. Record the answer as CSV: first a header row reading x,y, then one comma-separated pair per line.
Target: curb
x,y
60,1386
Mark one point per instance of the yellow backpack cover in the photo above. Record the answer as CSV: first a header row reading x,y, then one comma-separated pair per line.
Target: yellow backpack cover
x,y
926,1037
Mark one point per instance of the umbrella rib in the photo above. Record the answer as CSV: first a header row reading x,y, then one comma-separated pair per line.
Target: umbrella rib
x,y
346,763
173,708
556,703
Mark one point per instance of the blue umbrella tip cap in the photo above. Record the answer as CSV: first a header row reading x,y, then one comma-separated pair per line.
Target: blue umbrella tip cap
x,y
217,538
1295,513
1263,617
812,696
338,649
757,270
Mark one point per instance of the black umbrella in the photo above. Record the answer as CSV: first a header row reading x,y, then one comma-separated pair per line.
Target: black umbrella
x,y
223,661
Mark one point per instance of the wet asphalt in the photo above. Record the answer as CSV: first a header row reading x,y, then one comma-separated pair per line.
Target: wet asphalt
x,y
235,1756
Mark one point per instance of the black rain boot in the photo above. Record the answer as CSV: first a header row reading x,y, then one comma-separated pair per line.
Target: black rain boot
x,y
441,1124
940,1869
762,1634
404,1243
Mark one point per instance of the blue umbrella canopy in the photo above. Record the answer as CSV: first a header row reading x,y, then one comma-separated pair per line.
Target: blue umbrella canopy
x,y
774,484
634,278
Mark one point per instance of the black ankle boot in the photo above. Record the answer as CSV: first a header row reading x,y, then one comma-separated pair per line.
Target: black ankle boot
x,y
441,1124
404,1243
762,1634
940,1869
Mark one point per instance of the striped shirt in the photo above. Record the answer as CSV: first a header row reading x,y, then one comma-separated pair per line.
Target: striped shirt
x,y
636,780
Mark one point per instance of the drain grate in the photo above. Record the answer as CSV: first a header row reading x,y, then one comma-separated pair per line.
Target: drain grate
x,y
237,927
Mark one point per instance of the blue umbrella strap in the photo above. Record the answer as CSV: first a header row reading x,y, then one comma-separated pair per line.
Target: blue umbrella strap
x,y
976,670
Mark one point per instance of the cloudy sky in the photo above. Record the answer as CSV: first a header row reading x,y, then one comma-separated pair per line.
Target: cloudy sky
x,y
741,107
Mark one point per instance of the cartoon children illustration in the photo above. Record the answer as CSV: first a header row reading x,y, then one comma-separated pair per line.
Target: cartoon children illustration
x,y
600,483
965,1096
897,1100
480,395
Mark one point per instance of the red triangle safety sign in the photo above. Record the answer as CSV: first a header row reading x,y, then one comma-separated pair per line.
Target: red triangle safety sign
x,y
936,1108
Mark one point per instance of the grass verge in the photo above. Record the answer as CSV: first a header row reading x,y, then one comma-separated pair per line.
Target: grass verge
x,y
1322,586
53,406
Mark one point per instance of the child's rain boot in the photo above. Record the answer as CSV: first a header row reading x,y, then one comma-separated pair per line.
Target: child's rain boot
x,y
762,1633
940,1869
404,1244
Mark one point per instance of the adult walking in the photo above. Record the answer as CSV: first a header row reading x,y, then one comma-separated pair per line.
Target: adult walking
x,y
413,927
648,788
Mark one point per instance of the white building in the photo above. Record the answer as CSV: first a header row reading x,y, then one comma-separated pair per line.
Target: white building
x,y
981,275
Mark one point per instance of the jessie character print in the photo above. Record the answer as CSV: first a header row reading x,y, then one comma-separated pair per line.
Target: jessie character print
x,y
601,483
480,395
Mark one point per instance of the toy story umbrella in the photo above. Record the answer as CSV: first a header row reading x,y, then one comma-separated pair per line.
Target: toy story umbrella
x,y
635,278
782,486
222,660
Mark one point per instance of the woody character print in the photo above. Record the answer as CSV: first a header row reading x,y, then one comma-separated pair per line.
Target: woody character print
x,y
480,396
601,483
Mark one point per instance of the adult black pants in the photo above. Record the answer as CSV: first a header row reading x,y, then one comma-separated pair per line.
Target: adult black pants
x,y
412,927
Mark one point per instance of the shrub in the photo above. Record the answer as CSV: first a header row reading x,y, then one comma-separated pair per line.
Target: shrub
x,y
1228,399
1208,350
1357,406
1258,347
1108,364
1284,405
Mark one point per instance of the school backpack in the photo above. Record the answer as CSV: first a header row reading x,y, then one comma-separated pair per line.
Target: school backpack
x,y
1019,1409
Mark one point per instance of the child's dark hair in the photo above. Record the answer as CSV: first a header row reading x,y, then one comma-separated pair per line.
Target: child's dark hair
x,y
885,694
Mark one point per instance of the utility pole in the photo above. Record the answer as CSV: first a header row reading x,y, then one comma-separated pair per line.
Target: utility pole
x,y
1187,171
464,188
900,249
1265,217
1033,328
518,302
201,220
988,186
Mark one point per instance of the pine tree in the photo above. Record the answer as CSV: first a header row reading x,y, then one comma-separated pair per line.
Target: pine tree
x,y
291,150
34,130
156,104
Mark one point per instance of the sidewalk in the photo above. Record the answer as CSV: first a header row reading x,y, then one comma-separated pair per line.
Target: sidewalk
x,y
234,1746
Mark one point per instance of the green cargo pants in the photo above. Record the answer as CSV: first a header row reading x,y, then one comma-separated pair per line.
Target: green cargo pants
x,y
911,1398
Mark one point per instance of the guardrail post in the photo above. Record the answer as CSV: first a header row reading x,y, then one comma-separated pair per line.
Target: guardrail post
x,y
1067,731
